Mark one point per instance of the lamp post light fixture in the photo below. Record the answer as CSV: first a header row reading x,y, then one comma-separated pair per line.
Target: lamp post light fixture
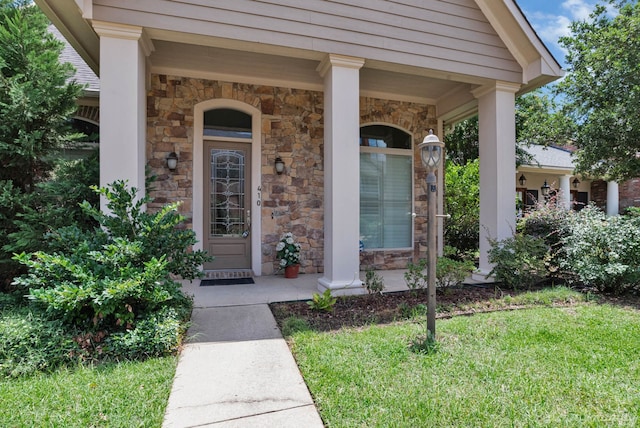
x,y
522,180
545,190
576,183
172,161
431,152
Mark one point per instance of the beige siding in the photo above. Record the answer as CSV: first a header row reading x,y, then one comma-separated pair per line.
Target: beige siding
x,y
451,36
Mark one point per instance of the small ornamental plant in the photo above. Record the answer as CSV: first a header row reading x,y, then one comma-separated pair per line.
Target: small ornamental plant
x,y
288,251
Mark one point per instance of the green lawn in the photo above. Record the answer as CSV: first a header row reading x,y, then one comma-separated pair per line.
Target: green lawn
x,y
132,394
576,366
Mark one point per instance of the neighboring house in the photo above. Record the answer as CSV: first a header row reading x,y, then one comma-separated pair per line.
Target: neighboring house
x,y
341,92
87,117
554,167
551,167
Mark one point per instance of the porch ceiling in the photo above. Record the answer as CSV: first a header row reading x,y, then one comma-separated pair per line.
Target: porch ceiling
x,y
284,69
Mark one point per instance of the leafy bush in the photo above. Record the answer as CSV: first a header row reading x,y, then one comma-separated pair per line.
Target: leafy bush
x,y
451,273
602,251
157,334
519,261
117,275
373,282
550,223
416,277
30,342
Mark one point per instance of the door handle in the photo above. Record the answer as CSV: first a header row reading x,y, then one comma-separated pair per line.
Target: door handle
x,y
249,219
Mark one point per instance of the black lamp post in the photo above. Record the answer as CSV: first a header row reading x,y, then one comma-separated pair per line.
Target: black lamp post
x,y
431,152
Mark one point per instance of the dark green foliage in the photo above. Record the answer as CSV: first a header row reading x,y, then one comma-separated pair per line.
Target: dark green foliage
x,y
519,261
35,98
55,204
462,203
462,142
602,89
540,120
116,275
36,101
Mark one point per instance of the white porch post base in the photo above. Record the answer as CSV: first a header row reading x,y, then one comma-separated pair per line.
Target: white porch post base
x,y
342,288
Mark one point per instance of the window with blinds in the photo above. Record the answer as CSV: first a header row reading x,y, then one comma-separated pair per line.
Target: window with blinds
x,y
386,197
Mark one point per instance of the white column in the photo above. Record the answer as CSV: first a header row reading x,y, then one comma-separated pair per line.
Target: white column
x,y
565,192
123,51
341,175
613,198
497,153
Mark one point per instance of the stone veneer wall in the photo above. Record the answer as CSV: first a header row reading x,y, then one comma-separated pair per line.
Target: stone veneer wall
x,y
292,127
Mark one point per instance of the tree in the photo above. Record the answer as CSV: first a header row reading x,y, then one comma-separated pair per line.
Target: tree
x,y
602,89
462,201
539,120
36,100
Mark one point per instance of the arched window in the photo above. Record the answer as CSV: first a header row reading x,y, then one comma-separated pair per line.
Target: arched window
x,y
386,196
225,122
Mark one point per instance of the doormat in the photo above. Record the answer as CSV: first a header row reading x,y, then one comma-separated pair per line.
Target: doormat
x,y
226,281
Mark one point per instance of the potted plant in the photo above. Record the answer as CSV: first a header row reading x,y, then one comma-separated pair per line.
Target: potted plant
x,y
289,255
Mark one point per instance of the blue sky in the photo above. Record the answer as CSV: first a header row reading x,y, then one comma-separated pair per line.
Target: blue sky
x,y
551,19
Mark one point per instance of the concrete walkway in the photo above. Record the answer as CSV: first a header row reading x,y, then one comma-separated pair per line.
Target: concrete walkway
x,y
236,370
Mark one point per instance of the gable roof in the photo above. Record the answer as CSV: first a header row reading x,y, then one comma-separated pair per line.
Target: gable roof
x,y
83,74
550,157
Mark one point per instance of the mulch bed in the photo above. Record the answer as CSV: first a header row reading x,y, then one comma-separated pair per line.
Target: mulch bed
x,y
357,311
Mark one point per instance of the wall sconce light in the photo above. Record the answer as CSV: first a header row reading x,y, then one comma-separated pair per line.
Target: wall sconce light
x,y
522,180
172,161
279,165
576,183
545,189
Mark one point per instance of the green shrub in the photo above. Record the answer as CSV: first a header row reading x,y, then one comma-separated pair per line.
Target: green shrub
x,y
416,277
117,275
602,251
30,342
519,261
374,283
549,222
451,273
156,335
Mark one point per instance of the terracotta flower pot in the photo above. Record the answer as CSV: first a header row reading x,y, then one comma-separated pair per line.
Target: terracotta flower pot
x,y
291,271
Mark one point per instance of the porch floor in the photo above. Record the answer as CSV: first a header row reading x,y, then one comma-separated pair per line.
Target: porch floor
x,y
273,288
